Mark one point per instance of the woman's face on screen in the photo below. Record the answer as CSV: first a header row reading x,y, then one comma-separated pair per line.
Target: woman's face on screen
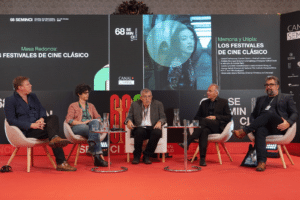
x,y
187,41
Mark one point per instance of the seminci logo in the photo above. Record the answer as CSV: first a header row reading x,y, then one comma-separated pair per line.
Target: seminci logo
x,y
120,31
21,19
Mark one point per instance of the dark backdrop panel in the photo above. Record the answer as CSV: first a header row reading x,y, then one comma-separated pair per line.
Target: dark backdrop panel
x,y
290,58
126,52
246,49
67,34
241,103
90,34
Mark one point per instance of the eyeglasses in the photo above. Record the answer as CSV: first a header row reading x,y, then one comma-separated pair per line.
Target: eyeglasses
x,y
145,97
271,85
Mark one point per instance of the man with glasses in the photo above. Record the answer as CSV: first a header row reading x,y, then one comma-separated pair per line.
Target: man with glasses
x,y
146,117
273,115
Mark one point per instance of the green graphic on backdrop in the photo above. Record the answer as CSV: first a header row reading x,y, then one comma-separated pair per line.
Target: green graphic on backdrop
x,y
100,78
137,97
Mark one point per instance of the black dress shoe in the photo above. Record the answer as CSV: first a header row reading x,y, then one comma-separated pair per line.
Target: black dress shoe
x,y
182,146
99,162
146,160
136,161
91,149
202,162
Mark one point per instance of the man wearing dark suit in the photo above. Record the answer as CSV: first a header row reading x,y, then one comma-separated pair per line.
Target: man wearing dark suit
x,y
24,110
213,115
145,117
273,115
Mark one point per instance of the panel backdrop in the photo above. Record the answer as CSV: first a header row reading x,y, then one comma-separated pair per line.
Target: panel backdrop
x,y
176,56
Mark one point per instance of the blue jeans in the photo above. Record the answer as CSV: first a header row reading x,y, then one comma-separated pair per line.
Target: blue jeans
x,y
84,130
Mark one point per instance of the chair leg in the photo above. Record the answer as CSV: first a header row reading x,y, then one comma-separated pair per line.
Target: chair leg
x,y
219,154
195,154
281,155
128,157
77,154
163,157
49,156
72,149
28,158
32,157
288,155
227,152
13,155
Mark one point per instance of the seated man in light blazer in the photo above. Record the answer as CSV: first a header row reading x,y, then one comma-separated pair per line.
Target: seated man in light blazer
x,y
145,117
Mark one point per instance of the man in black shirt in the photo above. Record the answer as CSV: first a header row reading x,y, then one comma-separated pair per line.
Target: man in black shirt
x,y
213,115
273,115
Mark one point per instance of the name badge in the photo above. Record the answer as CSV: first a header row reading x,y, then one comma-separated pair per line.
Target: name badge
x,y
268,107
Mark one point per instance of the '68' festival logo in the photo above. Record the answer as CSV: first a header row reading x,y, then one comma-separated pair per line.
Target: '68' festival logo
x,y
127,31
120,31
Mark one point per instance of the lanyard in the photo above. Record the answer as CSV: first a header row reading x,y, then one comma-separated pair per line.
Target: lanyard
x,y
271,101
145,112
86,108
269,106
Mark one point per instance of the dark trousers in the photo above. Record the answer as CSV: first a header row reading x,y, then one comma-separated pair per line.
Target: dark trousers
x,y
208,126
140,134
262,126
50,130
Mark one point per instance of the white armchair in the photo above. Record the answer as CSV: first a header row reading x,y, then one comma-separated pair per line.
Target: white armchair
x,y
218,138
280,140
161,146
16,138
76,140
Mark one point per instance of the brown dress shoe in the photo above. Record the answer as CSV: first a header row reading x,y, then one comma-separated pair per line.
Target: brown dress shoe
x,y
65,167
239,133
58,142
261,167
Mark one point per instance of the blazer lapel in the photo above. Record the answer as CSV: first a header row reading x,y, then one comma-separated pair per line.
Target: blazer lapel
x,y
22,103
152,108
140,112
217,104
279,100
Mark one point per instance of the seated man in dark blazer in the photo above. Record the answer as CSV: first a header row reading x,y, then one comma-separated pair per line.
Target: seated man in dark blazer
x,y
213,115
145,117
273,115
24,110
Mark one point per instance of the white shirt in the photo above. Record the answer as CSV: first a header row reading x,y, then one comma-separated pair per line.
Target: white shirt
x,y
146,117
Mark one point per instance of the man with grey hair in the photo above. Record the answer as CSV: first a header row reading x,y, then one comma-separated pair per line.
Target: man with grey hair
x,y
145,117
273,114
213,115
